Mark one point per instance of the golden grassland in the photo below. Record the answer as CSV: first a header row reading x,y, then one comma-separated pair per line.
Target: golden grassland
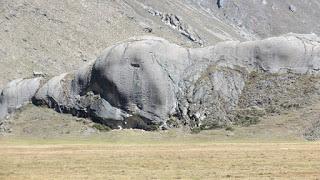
x,y
272,149
98,159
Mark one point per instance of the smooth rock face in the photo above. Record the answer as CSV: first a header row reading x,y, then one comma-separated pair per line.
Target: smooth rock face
x,y
152,79
141,76
17,94
292,52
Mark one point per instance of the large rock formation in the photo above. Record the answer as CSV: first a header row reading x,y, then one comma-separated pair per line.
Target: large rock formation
x,y
146,82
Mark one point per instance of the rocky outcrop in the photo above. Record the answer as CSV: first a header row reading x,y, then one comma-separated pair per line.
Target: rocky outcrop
x,y
17,94
140,77
146,81
177,24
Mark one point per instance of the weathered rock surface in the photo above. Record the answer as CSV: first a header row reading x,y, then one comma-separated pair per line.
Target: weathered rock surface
x,y
17,94
145,81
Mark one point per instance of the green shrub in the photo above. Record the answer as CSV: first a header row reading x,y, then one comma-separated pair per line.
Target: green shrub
x,y
173,122
273,110
229,128
209,125
195,130
101,127
250,116
247,120
137,122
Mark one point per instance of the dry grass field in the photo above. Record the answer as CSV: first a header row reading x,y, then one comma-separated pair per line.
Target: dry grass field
x,y
272,149
97,159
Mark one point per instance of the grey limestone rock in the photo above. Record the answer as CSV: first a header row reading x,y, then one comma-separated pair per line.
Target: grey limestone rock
x,y
16,94
146,80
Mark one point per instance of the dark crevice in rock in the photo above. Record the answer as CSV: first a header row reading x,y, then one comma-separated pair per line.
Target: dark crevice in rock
x,y
220,3
136,65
